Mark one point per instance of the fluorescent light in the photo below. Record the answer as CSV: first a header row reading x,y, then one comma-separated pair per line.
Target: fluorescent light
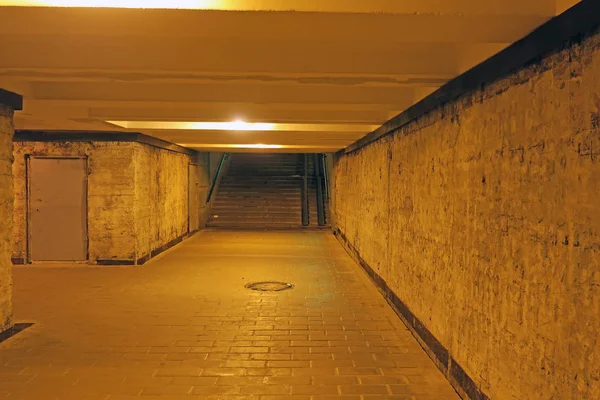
x,y
255,146
196,126
239,146
243,126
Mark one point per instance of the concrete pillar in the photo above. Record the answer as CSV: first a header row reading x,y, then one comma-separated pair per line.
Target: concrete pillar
x,y
9,102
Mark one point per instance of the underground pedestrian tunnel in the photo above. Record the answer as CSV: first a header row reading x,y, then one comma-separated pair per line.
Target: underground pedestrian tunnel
x,y
263,200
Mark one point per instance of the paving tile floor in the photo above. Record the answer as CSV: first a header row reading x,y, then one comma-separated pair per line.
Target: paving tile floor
x,y
183,326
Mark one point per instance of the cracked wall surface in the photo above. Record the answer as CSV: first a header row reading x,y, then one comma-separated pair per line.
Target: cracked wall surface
x,y
137,196
161,197
110,195
6,210
483,217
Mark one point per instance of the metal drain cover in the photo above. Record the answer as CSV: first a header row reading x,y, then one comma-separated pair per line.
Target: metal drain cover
x,y
269,286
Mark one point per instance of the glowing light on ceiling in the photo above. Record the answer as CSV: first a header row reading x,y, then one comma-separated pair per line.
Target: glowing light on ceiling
x,y
237,146
363,6
243,126
254,146
257,146
185,4
196,126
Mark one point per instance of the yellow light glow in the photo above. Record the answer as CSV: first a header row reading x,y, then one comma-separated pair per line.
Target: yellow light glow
x,y
237,146
196,126
258,146
243,126
185,4
254,146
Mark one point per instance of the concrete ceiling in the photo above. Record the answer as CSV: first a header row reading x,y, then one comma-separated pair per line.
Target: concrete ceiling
x,y
316,74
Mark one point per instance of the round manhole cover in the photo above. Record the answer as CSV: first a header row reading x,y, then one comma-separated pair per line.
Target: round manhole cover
x,y
269,286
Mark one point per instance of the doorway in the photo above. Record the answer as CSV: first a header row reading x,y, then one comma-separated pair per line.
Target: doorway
x,y
193,199
57,209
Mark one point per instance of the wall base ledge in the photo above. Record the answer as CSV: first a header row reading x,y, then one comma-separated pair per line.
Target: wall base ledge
x,y
456,375
13,330
144,259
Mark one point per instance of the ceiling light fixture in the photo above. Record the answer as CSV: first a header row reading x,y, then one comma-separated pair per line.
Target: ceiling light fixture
x,y
256,146
238,146
240,125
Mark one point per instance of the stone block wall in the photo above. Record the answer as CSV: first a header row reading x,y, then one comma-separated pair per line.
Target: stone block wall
x,y
137,197
111,222
6,210
161,197
483,218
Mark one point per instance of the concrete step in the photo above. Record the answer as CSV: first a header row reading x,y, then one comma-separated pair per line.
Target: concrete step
x,y
261,182
246,206
269,197
256,221
256,213
275,172
254,224
258,197
263,190
257,177
270,221
262,206
259,191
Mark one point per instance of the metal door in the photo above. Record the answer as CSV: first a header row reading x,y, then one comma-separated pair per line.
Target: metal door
x,y
57,209
194,198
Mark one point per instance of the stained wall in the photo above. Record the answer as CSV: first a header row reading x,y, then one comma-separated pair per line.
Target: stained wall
x,y
6,207
110,199
483,218
137,197
161,197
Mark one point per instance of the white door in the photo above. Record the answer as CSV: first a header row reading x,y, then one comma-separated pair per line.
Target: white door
x,y
57,209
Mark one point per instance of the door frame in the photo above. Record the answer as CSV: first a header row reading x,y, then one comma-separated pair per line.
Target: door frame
x,y
28,158
191,166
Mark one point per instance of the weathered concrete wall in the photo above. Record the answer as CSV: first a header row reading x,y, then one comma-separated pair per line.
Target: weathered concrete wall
x,y
483,217
137,196
161,197
110,195
6,206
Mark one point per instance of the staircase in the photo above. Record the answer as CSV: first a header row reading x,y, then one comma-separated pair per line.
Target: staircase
x,y
263,191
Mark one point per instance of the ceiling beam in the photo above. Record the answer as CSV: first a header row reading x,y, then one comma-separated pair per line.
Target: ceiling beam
x,y
211,136
471,7
564,5
288,26
217,93
226,56
207,111
220,148
199,77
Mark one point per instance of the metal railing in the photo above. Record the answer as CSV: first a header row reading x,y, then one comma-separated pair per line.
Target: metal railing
x,y
325,176
217,176
318,163
305,212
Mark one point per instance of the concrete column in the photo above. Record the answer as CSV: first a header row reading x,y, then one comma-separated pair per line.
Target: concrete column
x,y
8,103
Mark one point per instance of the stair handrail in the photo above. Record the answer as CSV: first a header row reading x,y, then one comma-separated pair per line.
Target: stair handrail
x,y
217,176
325,175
